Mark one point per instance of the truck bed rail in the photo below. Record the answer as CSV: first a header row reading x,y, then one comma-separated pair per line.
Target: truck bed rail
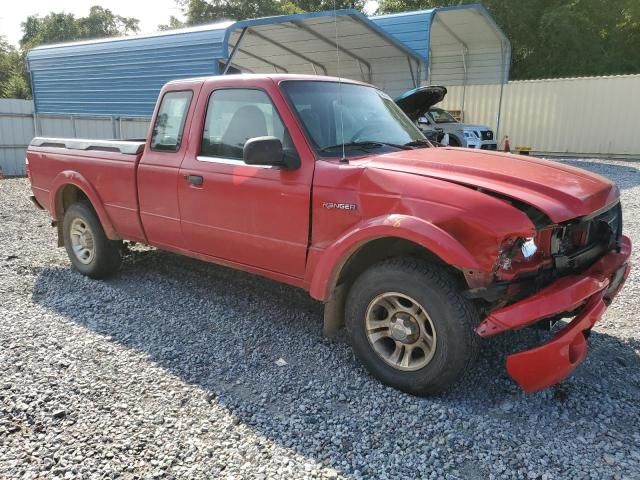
x,y
128,147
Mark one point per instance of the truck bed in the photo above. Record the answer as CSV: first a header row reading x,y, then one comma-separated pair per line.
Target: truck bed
x,y
108,167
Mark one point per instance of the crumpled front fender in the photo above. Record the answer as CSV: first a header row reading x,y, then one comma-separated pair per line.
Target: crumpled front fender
x,y
416,230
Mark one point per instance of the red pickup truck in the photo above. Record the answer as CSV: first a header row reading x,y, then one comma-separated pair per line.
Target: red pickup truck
x,y
328,186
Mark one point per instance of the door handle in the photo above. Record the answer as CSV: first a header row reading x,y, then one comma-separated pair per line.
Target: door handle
x,y
196,180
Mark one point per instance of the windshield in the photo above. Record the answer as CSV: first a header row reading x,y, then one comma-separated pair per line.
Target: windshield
x,y
358,115
441,116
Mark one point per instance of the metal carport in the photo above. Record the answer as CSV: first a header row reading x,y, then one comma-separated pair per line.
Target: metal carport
x,y
121,77
461,45
306,43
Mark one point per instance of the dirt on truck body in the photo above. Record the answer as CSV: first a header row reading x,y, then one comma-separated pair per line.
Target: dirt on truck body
x,y
327,185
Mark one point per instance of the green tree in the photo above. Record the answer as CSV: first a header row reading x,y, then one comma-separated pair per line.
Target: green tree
x,y
322,5
101,22
13,75
202,11
53,28
64,27
205,11
174,23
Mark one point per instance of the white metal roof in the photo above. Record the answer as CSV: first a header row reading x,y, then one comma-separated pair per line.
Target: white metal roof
x,y
306,43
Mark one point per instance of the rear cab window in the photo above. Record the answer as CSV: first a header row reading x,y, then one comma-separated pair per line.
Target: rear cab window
x,y
169,124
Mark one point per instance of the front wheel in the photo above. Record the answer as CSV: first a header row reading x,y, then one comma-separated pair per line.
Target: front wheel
x,y
410,325
89,249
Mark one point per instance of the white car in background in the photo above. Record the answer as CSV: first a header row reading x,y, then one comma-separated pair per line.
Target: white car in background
x,y
439,125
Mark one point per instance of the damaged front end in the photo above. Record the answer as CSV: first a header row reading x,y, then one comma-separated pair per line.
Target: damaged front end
x,y
572,269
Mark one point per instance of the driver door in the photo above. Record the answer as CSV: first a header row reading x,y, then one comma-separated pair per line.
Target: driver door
x,y
246,214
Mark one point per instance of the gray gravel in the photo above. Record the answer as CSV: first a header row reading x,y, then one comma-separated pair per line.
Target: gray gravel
x,y
170,370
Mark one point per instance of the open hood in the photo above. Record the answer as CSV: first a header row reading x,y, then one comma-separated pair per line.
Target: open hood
x,y
417,101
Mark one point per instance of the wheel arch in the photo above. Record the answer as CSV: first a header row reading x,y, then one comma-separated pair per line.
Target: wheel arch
x,y
70,187
382,248
385,237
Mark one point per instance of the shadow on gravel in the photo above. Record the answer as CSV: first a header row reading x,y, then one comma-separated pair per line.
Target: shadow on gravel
x,y
224,330
624,176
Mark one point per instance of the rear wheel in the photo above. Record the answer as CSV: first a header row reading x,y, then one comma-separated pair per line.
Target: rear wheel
x,y
88,248
410,325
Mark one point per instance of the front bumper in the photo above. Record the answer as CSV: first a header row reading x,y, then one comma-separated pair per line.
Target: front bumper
x,y
481,144
585,295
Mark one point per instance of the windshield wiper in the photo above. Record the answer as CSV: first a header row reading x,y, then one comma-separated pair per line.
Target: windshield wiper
x,y
418,143
364,144
370,144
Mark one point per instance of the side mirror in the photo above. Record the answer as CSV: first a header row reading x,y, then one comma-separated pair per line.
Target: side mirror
x,y
268,151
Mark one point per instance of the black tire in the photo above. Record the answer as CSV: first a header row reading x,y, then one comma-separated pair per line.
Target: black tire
x,y
452,317
106,254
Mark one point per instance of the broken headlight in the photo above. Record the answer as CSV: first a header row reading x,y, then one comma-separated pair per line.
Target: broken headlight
x,y
521,249
528,248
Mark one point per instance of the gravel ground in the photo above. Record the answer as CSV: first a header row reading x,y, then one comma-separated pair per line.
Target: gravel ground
x,y
170,370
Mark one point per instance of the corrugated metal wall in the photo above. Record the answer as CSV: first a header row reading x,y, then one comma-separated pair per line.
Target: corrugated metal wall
x,y
585,116
121,76
92,127
17,130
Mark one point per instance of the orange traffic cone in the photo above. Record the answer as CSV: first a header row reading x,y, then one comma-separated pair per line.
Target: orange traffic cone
x,y
507,147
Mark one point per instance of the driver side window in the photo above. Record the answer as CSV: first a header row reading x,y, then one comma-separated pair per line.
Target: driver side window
x,y
236,115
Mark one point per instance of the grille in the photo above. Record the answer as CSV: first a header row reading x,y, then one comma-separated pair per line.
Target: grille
x,y
613,218
487,135
603,230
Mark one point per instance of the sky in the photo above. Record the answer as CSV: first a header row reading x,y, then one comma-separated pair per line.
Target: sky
x,y
151,13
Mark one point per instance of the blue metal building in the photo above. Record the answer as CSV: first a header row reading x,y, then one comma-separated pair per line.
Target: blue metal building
x,y
122,77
